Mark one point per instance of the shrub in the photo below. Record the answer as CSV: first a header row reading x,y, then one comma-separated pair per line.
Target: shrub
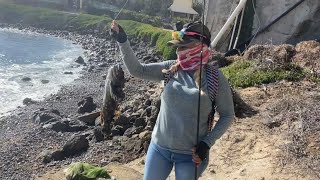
x,y
246,73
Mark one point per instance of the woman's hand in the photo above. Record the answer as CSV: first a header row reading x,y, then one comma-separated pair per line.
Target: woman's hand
x,y
117,32
115,27
200,152
195,158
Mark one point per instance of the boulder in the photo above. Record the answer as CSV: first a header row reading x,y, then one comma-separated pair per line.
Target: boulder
x,y
134,144
76,145
48,156
133,130
86,105
140,122
117,131
57,126
79,60
45,117
44,81
89,118
28,101
122,120
25,79
97,132
145,136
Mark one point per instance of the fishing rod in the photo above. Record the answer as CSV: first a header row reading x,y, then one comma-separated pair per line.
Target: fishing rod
x,y
200,85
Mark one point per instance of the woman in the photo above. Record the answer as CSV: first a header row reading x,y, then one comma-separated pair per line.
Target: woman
x,y
173,140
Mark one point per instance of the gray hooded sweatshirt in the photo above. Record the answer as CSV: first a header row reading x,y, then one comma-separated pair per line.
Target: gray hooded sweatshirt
x,y
176,126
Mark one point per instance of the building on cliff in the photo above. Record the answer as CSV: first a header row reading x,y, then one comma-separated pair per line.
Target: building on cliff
x,y
182,8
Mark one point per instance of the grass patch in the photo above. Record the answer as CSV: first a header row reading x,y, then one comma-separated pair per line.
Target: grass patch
x,y
57,20
156,36
246,73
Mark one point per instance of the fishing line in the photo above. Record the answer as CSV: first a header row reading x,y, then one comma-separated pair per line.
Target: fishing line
x,y
115,44
120,10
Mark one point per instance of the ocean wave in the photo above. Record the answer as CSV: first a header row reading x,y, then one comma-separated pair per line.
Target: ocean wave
x,y
13,89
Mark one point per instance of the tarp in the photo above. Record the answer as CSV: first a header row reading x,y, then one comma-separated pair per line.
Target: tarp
x,y
182,6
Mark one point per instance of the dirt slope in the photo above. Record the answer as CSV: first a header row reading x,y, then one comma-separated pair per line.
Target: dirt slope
x,y
250,150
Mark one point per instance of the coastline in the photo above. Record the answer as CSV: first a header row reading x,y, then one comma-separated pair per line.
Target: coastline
x,y
23,141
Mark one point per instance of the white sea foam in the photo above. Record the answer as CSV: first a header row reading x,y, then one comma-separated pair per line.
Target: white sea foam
x,y
13,90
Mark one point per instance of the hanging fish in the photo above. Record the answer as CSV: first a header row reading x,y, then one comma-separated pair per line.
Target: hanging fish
x,y
113,94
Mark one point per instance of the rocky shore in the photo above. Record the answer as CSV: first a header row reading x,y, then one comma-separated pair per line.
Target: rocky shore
x,y
52,133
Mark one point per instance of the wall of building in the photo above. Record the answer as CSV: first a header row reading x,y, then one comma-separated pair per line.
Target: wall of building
x,y
300,24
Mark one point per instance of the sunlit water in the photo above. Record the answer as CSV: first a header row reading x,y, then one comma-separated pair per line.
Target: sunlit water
x,y
39,57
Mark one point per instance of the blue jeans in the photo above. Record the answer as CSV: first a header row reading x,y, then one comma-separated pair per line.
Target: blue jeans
x,y
160,161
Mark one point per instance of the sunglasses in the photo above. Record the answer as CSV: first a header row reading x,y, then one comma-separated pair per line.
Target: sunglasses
x,y
178,35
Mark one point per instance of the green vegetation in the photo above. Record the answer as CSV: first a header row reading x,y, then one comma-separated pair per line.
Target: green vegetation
x,y
85,171
57,20
246,73
154,35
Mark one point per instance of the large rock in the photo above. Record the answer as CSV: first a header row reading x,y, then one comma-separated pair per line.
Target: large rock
x,y
43,117
134,144
122,120
79,60
48,156
28,101
57,126
117,130
133,130
89,118
86,105
140,122
98,135
76,145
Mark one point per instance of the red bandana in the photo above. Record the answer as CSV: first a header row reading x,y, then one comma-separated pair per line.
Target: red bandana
x,y
190,59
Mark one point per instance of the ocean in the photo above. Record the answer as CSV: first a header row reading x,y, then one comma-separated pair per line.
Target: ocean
x,y
32,65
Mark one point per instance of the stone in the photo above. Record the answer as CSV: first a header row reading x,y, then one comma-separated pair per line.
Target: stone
x,y
77,128
133,130
79,60
43,81
145,135
76,145
44,117
68,72
103,65
271,123
133,144
57,126
140,122
28,101
97,132
25,79
122,120
89,118
55,112
48,156
86,105
117,131
147,102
